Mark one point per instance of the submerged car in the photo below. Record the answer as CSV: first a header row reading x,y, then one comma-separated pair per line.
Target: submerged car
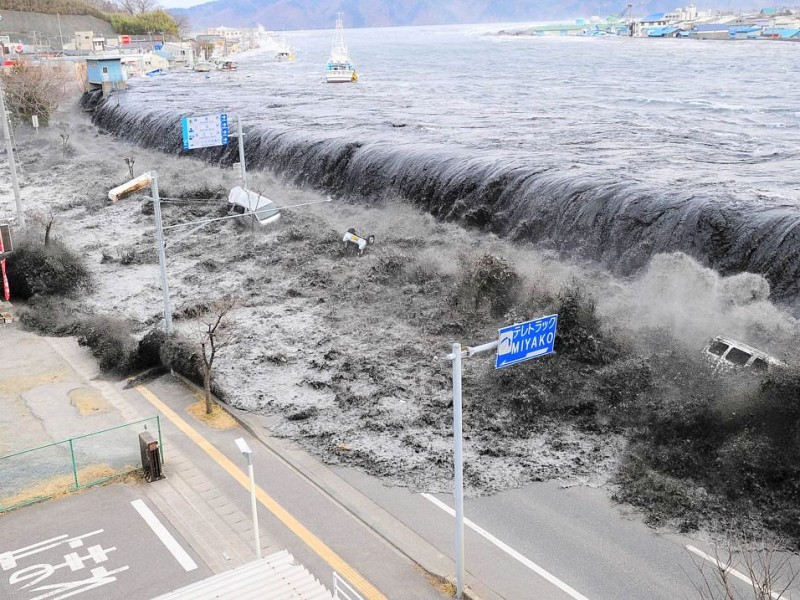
x,y
728,353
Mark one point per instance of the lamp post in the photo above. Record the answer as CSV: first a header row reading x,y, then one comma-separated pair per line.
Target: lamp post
x,y
241,444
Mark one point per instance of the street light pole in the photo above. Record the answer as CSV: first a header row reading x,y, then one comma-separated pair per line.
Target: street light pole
x,y
248,454
458,459
11,163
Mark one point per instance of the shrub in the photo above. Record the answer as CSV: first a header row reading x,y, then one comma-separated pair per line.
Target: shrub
x,y
49,315
744,461
52,270
180,355
490,281
148,351
111,343
579,332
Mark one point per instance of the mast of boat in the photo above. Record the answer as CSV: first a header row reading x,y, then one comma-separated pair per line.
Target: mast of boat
x,y
339,47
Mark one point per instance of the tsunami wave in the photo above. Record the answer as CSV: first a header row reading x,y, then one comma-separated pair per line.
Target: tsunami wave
x,y
619,223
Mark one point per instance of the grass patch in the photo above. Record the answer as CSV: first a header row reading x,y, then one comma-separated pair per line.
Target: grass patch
x,y
88,401
63,485
218,419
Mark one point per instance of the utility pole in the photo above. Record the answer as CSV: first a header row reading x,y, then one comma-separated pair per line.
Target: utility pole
x,y
162,257
60,34
11,163
242,167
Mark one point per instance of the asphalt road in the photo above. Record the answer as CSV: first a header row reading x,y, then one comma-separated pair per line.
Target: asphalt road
x,y
537,541
94,545
343,534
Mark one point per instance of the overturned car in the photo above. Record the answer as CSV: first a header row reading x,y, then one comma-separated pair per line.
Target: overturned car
x,y
728,353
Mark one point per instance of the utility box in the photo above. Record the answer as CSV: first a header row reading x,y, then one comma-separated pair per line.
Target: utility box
x,y
151,456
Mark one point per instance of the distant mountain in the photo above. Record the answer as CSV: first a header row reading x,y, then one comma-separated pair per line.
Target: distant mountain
x,y
320,14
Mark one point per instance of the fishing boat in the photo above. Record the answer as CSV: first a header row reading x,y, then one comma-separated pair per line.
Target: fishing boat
x,y
202,66
284,53
339,68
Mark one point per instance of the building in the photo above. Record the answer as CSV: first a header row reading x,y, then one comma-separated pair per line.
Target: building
x,y
105,73
86,42
182,54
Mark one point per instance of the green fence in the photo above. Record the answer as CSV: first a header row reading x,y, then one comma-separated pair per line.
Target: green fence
x,y
43,472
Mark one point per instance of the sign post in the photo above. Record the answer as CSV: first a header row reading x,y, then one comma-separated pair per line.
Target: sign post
x,y
5,246
515,343
212,130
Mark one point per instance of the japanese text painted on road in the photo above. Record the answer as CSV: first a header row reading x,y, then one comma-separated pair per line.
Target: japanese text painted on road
x,y
524,341
30,569
205,131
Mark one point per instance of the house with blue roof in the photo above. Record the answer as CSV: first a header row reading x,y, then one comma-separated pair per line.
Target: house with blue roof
x,y
663,32
777,33
105,73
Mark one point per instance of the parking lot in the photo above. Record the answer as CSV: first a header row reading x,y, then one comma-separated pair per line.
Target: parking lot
x,y
105,543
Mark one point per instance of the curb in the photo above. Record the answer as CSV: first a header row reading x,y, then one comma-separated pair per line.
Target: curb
x,y
436,566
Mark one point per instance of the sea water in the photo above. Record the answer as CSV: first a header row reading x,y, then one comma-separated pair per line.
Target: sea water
x,y
613,148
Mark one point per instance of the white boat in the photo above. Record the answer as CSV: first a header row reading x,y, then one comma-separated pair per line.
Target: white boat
x,y
284,53
339,68
202,66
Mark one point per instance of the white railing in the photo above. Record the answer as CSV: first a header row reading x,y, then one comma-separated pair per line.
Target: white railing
x,y
343,590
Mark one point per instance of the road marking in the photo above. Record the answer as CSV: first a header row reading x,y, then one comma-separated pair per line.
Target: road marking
x,y
165,536
729,569
510,551
338,564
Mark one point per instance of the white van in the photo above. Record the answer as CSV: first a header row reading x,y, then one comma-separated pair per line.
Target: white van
x,y
726,352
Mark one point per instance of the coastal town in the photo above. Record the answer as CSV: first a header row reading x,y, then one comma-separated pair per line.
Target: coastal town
x,y
74,42
686,22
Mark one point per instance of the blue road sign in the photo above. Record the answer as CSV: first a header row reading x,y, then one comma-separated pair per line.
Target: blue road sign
x,y
208,130
524,341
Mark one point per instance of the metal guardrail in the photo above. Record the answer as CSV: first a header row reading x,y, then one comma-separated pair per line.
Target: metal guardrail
x,y
343,590
40,473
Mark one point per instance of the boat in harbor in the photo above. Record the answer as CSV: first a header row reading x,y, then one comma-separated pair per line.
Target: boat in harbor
x,y
340,68
202,66
284,53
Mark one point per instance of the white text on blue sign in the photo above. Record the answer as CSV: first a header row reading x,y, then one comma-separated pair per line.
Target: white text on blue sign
x,y
524,341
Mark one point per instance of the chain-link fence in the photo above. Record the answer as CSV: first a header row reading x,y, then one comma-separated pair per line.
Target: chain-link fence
x,y
43,472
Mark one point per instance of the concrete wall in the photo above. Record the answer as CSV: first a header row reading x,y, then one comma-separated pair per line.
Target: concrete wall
x,y
21,25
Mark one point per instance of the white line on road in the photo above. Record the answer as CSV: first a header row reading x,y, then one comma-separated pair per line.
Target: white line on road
x,y
729,569
165,536
510,551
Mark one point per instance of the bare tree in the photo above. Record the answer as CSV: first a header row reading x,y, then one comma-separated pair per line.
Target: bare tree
x,y
104,5
182,21
214,334
32,90
137,7
46,218
763,567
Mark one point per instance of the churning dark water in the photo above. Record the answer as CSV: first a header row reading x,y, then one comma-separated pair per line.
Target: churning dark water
x,y
611,148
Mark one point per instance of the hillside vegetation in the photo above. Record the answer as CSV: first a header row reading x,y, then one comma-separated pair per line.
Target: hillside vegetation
x,y
51,7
